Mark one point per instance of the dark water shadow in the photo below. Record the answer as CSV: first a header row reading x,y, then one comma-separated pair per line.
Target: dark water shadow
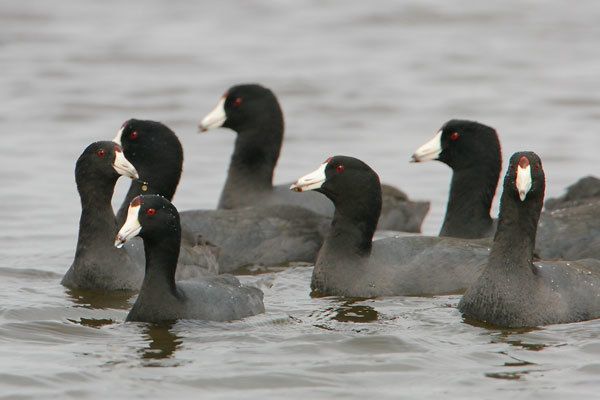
x,y
162,342
101,300
93,322
349,311
261,269
500,334
516,368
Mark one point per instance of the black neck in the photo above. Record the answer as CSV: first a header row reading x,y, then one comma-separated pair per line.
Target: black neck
x,y
354,223
469,203
97,225
162,253
514,242
253,162
349,237
346,249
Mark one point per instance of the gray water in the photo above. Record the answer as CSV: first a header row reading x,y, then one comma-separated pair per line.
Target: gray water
x,y
370,79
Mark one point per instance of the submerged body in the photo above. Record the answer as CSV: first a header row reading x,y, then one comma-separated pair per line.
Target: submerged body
x,y
266,236
407,266
569,228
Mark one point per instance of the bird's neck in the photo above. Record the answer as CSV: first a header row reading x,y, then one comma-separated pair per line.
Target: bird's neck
x,y
349,241
251,167
514,242
469,203
97,225
161,263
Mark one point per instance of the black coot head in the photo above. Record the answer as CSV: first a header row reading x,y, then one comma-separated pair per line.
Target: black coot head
x,y
461,144
525,179
240,108
340,178
149,144
150,217
104,161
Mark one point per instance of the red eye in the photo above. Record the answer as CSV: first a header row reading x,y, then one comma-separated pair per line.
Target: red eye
x,y
339,169
150,212
237,102
101,153
454,136
133,135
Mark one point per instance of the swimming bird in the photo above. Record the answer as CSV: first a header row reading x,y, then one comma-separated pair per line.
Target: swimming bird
x,y
569,227
97,264
140,140
254,113
513,291
219,298
473,152
262,235
583,191
351,264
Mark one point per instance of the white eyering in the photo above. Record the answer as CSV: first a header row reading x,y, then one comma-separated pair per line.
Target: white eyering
x,y
430,150
311,181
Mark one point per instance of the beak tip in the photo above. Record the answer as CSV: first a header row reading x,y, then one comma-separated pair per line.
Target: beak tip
x,y
522,195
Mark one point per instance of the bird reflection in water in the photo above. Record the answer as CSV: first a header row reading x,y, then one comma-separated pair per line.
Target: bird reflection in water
x,y
516,367
119,300
99,300
162,343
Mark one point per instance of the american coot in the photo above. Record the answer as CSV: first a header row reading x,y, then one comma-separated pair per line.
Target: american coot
x,y
139,139
220,298
156,153
512,291
350,264
570,226
570,229
266,236
253,112
473,152
583,191
98,265
570,233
